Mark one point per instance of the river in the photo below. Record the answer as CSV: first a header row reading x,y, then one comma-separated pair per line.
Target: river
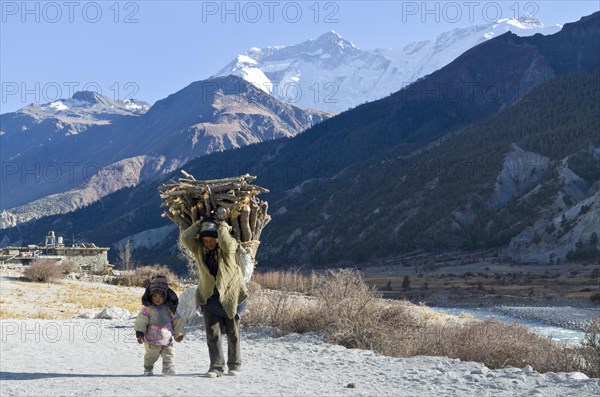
x,y
552,331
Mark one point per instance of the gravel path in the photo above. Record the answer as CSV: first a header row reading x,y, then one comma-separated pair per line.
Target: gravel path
x,y
101,358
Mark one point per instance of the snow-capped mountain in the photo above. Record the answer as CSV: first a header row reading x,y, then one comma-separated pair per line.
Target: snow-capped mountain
x,y
331,73
53,166
73,115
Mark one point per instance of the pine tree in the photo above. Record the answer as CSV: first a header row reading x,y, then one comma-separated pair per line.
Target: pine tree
x,y
406,283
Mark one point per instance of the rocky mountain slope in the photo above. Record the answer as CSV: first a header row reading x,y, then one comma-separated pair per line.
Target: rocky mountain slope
x,y
53,170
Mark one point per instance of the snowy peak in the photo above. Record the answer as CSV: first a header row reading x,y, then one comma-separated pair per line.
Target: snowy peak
x,y
526,25
98,103
84,107
328,50
528,21
522,23
91,97
329,42
331,73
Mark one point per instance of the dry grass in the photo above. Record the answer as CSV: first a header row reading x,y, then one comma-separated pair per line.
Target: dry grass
x,y
99,298
64,299
342,307
39,314
290,280
5,313
140,276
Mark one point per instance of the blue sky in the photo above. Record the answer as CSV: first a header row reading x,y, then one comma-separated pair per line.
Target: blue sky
x,y
150,49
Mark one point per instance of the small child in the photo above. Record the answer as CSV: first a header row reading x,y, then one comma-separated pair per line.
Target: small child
x,y
158,324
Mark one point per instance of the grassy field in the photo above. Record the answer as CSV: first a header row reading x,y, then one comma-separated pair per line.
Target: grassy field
x,y
65,298
485,280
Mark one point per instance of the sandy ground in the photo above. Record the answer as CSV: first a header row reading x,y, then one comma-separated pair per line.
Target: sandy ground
x,y
100,357
59,355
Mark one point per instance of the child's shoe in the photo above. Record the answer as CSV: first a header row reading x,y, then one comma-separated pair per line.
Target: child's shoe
x,y
148,371
169,371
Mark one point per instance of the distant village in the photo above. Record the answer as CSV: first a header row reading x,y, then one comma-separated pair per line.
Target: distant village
x,y
88,257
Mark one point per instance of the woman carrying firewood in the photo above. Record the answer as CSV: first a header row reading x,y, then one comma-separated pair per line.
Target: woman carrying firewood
x,y
221,293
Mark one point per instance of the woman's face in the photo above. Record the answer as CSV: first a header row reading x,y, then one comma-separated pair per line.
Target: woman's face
x,y
210,243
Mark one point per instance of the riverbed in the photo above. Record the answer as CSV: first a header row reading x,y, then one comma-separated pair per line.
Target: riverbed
x,y
560,323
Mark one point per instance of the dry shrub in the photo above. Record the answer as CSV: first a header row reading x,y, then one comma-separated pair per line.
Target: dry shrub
x,y
590,349
341,306
253,287
592,334
43,271
491,342
69,266
348,312
141,276
289,280
353,315
278,309
497,345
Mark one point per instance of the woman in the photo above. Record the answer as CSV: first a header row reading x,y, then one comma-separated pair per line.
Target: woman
x,y
221,293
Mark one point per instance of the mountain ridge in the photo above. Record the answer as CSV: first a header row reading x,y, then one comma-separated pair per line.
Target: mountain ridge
x,y
205,116
315,73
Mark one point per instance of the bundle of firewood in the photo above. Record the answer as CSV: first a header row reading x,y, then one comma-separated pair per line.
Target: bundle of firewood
x,y
231,199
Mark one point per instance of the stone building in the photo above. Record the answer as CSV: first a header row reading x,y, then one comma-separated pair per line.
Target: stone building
x,y
86,256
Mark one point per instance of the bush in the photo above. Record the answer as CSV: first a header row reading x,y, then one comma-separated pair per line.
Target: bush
x,y
339,305
595,298
590,348
43,271
141,276
69,266
344,309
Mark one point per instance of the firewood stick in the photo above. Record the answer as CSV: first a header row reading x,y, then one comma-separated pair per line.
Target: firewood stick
x,y
186,211
194,212
264,223
246,233
253,217
244,178
235,225
188,175
264,206
181,222
206,204
188,202
226,205
226,187
199,210
175,193
211,199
